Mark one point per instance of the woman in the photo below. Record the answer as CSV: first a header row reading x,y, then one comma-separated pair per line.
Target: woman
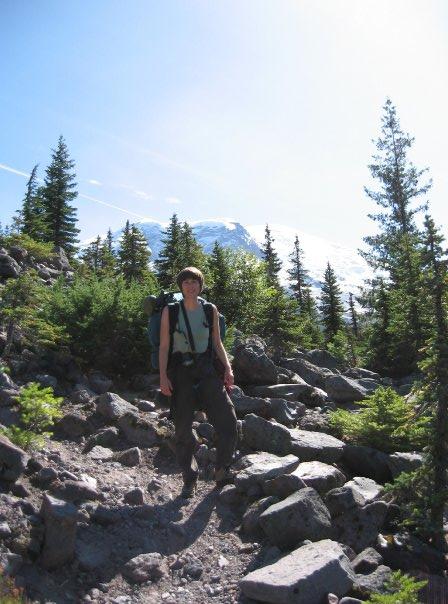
x,y
193,382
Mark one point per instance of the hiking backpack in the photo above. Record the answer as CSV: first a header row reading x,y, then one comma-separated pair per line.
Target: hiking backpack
x,y
154,305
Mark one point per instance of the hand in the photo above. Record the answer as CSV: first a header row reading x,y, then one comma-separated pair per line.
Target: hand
x,y
166,387
228,377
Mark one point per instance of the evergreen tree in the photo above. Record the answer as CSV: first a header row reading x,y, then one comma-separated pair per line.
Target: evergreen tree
x,y
312,336
435,387
191,252
353,314
221,279
298,276
395,248
331,306
31,218
272,262
168,264
58,193
91,256
133,255
279,322
108,261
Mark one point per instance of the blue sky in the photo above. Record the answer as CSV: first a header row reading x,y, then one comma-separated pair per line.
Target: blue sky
x,y
254,110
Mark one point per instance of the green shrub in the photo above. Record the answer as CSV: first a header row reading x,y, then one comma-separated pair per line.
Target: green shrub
x,y
386,422
38,249
38,409
403,590
9,593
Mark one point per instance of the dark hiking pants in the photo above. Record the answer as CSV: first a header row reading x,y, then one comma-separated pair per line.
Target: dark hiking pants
x,y
199,387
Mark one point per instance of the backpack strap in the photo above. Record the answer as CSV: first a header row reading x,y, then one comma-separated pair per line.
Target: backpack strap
x,y
173,314
209,315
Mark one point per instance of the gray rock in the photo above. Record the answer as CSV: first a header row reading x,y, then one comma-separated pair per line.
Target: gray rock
x,y
106,437
61,261
60,532
284,485
10,563
369,384
229,495
138,431
45,476
74,424
305,576
145,567
74,490
46,380
5,530
365,585
99,453
368,462
356,493
7,382
309,395
342,389
320,476
9,416
367,561
8,397
311,446
256,468
359,527
322,358
130,457
82,395
263,435
404,462
312,374
206,430
348,600
13,460
193,569
135,497
250,524
18,253
99,382
112,407
251,365
359,373
285,412
9,267
300,516
248,404
145,405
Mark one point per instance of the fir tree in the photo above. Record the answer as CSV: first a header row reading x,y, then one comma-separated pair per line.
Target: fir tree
x,y
272,262
435,388
91,256
279,321
312,333
168,264
353,314
31,219
298,276
191,252
221,279
331,306
108,261
395,248
133,255
58,193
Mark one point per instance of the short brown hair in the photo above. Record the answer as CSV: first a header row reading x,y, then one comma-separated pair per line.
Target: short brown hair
x,y
191,272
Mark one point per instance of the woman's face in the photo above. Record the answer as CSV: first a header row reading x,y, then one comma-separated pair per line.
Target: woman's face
x,y
191,287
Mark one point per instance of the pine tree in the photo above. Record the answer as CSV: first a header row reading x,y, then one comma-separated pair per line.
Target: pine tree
x,y
31,218
91,256
435,388
395,248
58,193
134,254
168,264
272,262
298,276
221,279
312,333
331,306
279,322
108,261
353,314
191,252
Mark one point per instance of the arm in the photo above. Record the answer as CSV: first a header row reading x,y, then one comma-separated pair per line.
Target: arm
x,y
165,384
220,350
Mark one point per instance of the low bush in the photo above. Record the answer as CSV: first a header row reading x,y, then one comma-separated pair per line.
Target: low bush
x,y
386,422
39,250
402,589
38,409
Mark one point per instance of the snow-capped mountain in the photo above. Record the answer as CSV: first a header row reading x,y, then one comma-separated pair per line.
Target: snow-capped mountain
x,y
350,268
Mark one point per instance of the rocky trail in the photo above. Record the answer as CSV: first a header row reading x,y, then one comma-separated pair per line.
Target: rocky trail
x,y
96,515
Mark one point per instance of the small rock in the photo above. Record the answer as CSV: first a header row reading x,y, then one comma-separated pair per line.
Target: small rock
x,y
134,497
130,457
193,570
145,567
5,531
60,532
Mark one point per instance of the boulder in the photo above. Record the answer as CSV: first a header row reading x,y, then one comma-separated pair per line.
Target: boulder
x,y
74,490
322,358
369,384
284,485
312,374
106,437
60,260
9,267
310,446
359,527
364,585
13,460
145,567
300,516
250,524
135,497
309,395
320,476
130,457
366,461
74,424
407,553
367,561
18,253
8,397
355,493
358,373
251,364
305,576
247,404
60,532
263,435
99,382
7,382
99,453
342,389
256,468
404,462
138,431
112,406
285,412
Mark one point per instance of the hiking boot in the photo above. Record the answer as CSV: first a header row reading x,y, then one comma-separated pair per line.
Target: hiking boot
x,y
223,476
189,489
